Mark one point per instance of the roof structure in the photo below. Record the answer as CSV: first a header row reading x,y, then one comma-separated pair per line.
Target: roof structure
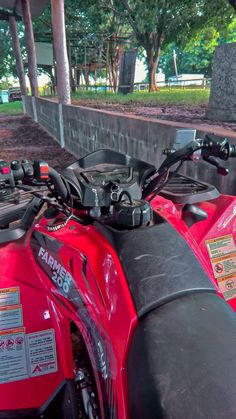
x,y
14,6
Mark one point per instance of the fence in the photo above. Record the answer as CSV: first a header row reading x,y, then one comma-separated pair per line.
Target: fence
x,y
184,84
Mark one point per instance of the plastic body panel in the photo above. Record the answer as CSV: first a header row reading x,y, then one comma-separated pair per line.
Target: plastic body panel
x,y
98,301
100,304
98,297
39,314
220,221
93,175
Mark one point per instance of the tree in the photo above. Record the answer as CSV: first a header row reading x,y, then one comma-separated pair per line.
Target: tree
x,y
166,21
103,30
7,59
198,52
195,57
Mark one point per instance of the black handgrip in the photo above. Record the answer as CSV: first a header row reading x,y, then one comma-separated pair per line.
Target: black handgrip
x,y
25,171
18,230
59,184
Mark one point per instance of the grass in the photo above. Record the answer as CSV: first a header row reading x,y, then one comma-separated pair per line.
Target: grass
x,y
12,108
174,96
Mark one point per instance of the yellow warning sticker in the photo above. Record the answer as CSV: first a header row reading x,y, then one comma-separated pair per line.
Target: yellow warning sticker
x,y
9,296
224,265
221,246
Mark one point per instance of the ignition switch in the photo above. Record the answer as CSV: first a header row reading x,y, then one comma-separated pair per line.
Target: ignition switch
x,y
115,191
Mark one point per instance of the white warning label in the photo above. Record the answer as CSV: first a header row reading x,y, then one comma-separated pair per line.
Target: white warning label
x,y
13,365
227,285
11,317
222,253
221,246
9,296
42,352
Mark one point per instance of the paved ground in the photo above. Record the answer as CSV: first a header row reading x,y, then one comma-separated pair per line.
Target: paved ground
x,y
20,138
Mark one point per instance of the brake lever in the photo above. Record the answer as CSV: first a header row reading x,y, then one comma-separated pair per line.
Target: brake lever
x,y
220,169
183,153
172,158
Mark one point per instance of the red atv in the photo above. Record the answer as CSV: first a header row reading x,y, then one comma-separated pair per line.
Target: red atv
x,y
114,277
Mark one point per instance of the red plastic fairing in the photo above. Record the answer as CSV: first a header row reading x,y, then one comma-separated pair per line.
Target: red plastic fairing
x,y
17,269
99,301
220,222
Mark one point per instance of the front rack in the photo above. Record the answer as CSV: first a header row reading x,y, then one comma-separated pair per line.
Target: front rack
x,y
185,190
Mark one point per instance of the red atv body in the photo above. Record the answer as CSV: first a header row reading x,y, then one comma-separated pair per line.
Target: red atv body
x,y
104,320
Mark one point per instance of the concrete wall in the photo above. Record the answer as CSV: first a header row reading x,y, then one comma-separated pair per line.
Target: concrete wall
x,y
48,117
83,130
28,105
87,130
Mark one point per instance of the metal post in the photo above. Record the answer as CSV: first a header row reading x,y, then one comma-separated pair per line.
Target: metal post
x,y
61,125
34,107
30,45
175,65
59,36
17,53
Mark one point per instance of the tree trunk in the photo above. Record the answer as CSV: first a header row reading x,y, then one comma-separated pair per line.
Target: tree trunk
x,y
17,53
153,56
152,63
59,36
52,84
30,45
74,80
86,77
152,67
113,63
78,76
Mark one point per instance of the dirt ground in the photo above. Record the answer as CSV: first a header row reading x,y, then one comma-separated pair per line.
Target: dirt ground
x,y
21,138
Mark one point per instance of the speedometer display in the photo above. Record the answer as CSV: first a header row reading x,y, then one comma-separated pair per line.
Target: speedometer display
x,y
107,173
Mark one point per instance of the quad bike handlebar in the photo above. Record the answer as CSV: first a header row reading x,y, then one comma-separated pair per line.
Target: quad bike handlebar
x,y
35,173
19,218
39,171
210,146
98,180
101,184
207,149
